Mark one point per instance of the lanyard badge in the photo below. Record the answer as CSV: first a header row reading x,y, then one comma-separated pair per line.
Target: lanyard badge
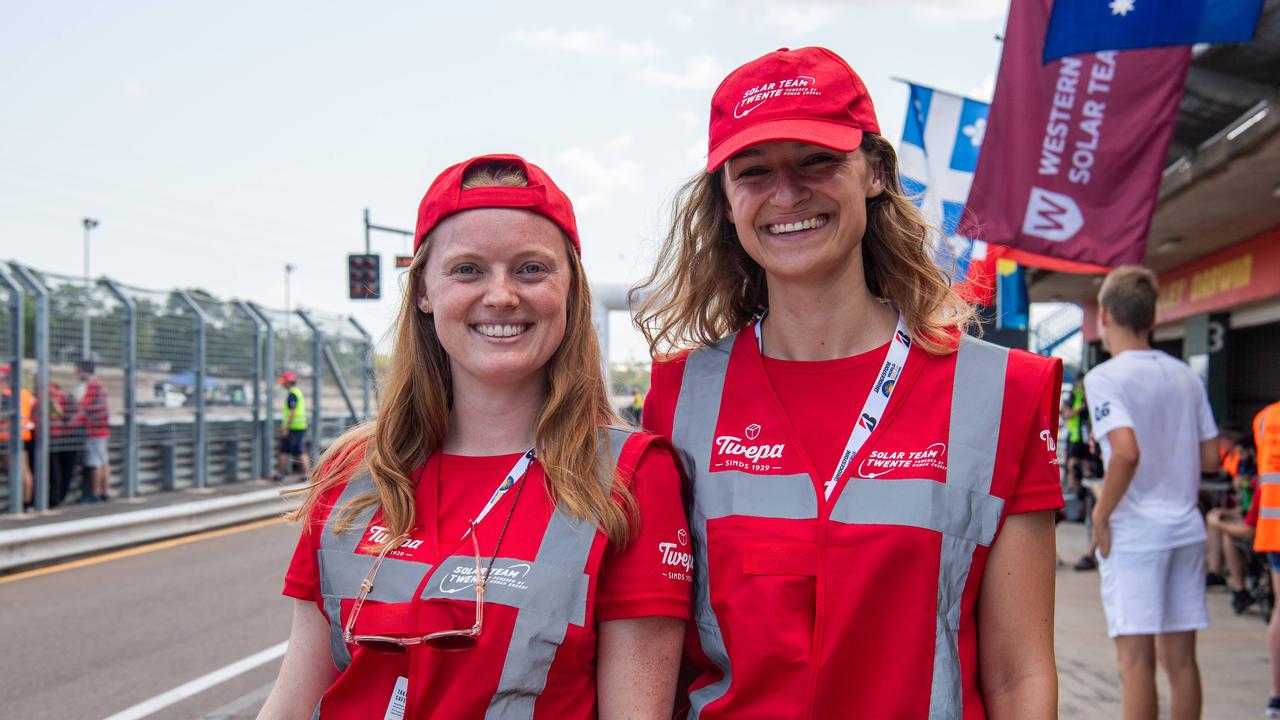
x,y
517,471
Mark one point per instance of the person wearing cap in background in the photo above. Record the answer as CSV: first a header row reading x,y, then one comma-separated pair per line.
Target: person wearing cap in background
x,y
873,490
293,428
489,546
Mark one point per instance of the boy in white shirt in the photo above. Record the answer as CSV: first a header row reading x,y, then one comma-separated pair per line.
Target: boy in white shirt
x,y
1152,418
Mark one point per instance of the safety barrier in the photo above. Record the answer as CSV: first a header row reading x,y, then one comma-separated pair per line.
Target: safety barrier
x,y
26,546
190,380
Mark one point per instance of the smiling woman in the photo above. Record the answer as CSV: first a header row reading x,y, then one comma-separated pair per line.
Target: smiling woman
x,y
429,583
889,507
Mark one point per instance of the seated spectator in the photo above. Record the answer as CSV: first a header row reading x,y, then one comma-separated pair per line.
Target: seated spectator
x,y
1227,523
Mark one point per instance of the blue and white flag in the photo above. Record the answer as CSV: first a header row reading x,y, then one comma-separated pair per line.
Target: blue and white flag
x,y
1081,26
936,160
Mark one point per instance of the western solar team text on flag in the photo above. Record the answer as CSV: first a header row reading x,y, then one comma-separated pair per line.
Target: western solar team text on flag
x,y
1074,149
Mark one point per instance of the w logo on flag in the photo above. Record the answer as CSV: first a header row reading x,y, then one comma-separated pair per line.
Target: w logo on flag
x,y
1052,216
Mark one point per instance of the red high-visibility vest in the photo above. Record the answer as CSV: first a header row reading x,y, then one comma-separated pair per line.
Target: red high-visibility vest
x,y
863,605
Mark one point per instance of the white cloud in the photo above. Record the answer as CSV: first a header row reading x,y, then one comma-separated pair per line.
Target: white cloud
x,y
692,119
598,42
701,72
621,142
796,19
944,11
697,153
606,173
681,20
985,90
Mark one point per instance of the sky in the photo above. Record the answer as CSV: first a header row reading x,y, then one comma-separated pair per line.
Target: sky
x,y
217,142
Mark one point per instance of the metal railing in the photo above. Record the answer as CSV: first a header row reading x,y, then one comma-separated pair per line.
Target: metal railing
x,y
1061,325
189,381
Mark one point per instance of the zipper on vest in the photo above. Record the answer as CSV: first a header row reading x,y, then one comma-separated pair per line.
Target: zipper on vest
x,y
819,610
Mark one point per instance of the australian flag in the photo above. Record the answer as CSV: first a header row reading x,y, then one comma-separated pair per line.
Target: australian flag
x,y
1082,26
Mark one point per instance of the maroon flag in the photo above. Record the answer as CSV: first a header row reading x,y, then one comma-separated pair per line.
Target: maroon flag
x,y
1074,149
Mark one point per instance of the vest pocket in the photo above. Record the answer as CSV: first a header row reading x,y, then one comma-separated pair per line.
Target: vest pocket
x,y
778,558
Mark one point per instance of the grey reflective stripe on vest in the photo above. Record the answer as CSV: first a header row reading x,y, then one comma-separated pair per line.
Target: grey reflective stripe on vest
x,y
557,580
977,397
340,577
1269,513
692,431
923,504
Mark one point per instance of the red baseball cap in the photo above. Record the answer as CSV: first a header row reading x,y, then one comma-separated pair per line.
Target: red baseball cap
x,y
288,376
808,95
446,197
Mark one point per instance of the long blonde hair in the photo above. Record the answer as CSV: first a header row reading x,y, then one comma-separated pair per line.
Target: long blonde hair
x,y
705,286
417,395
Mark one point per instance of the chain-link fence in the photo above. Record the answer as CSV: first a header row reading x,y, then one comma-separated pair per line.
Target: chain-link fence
x,y
183,384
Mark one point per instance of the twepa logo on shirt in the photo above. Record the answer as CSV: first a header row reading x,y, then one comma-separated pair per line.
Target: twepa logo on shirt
x,y
377,535
734,451
677,557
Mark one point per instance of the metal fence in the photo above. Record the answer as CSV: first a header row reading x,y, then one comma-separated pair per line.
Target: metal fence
x,y
190,382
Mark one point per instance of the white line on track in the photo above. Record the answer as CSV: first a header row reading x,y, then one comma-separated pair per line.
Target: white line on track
x,y
200,684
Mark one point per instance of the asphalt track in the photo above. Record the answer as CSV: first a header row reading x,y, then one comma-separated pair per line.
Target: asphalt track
x,y
94,638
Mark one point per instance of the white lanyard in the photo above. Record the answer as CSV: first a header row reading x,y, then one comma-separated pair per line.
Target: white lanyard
x,y
877,398
517,471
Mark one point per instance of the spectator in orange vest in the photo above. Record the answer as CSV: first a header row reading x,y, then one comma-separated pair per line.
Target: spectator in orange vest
x,y
26,402
1266,437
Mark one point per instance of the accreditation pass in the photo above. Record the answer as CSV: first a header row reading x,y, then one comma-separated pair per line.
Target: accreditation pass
x,y
399,695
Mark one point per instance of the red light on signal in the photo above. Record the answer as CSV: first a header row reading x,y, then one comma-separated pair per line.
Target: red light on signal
x,y
364,276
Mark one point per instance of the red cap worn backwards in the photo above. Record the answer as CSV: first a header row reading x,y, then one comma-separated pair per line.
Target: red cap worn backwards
x,y
446,197
808,95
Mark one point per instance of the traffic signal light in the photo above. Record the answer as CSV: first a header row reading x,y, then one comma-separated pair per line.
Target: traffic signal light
x,y
364,276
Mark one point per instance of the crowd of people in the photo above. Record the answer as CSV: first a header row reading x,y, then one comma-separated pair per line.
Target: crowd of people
x,y
78,434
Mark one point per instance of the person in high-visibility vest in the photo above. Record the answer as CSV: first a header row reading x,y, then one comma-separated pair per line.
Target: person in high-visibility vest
x,y
873,490
293,427
1266,438
1266,514
492,545
26,403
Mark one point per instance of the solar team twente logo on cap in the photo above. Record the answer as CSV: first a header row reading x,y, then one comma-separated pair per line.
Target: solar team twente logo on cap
x,y
757,95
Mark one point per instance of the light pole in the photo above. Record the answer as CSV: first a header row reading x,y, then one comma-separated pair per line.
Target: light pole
x,y
89,224
288,272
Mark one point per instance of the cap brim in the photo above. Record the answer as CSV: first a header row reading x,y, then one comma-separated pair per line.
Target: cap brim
x,y
844,138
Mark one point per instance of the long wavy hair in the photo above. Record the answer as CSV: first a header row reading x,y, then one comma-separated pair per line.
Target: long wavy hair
x,y
417,395
704,286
